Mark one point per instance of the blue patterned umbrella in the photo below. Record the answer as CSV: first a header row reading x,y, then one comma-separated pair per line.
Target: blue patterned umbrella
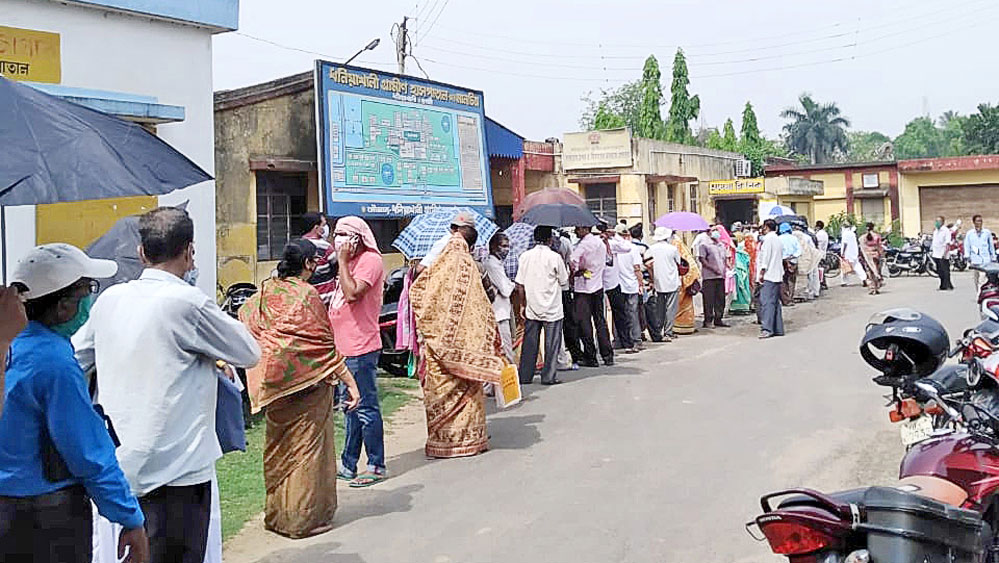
x,y
521,237
416,239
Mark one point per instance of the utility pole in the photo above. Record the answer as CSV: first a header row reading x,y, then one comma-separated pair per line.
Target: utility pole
x,y
402,45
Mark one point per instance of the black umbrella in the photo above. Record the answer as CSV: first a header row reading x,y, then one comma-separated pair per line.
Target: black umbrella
x,y
560,215
58,151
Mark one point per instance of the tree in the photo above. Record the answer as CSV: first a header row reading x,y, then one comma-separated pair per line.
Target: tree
x,y
606,119
623,102
714,140
981,130
683,107
728,140
750,128
816,130
867,146
921,139
650,121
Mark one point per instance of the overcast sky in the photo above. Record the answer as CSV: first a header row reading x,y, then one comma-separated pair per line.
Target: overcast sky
x,y
882,61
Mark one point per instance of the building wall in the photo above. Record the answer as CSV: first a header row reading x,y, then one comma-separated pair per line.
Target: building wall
x,y
105,50
909,184
282,126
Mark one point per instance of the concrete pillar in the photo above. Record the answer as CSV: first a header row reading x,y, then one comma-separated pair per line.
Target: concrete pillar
x,y
517,187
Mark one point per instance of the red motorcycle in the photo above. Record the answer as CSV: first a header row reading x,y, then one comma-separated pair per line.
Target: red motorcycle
x,y
945,507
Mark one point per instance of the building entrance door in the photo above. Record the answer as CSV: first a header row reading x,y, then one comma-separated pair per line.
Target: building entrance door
x,y
731,210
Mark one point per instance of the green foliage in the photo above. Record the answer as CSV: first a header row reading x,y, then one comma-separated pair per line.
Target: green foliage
x,y
683,107
816,130
750,128
923,138
981,130
650,121
866,146
606,119
758,153
623,102
714,140
728,140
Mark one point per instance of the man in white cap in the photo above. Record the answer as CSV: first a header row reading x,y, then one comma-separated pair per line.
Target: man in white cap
x,y
663,261
464,223
154,342
56,453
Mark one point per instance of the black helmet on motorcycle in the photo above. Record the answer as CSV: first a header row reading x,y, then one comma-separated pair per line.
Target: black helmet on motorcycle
x,y
911,343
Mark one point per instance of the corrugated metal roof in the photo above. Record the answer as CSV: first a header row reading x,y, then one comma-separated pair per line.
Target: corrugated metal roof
x,y
502,142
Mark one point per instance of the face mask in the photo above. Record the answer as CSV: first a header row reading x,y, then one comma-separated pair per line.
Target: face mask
x,y
191,276
326,231
339,241
70,327
937,224
715,236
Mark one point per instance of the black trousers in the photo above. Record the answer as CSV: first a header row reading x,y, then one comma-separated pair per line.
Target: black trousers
x,y
621,317
177,523
943,270
52,528
590,316
570,327
713,296
529,351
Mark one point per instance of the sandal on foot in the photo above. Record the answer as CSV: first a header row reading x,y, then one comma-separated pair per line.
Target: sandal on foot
x,y
366,480
345,476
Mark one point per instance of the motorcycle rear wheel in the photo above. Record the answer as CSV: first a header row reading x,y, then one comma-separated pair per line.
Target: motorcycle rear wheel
x,y
893,270
960,264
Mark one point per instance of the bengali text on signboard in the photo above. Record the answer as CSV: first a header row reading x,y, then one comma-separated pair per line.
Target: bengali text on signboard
x,y
736,187
30,55
597,149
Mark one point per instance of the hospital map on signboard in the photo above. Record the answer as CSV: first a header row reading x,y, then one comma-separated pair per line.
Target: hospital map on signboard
x,y
398,146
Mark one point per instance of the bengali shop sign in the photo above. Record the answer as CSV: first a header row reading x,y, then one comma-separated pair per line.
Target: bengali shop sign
x,y
736,187
30,55
610,148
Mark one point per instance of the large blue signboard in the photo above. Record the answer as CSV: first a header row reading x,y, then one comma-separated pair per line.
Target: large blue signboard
x,y
394,146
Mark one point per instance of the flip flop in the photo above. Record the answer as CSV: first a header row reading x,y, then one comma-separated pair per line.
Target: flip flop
x,y
343,476
366,480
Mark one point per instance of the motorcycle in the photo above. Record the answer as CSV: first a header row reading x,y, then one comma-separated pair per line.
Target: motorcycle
x,y
945,507
232,299
830,262
958,261
394,362
913,257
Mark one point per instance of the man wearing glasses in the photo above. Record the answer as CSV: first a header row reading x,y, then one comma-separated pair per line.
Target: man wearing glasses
x,y
56,453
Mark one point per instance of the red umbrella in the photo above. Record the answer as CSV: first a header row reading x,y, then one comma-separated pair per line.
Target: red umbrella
x,y
552,195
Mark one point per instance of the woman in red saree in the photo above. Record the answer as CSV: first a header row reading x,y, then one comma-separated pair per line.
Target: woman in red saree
x,y
294,384
461,349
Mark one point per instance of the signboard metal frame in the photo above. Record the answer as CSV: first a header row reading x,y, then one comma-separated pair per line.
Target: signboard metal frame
x,y
378,200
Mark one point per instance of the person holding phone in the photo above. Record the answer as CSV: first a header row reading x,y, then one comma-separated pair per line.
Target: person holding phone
x,y
354,310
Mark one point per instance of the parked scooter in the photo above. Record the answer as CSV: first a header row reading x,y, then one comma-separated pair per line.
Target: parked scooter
x,y
945,507
913,258
395,362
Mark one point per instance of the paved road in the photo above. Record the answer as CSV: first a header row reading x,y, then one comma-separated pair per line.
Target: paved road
x,y
660,459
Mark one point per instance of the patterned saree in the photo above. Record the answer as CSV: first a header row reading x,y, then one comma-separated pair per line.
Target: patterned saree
x,y
294,383
461,350
685,310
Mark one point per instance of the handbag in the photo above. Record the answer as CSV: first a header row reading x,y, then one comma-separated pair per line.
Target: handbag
x,y
230,427
508,390
694,288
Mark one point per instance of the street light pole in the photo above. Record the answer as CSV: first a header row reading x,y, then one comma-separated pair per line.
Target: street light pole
x,y
370,46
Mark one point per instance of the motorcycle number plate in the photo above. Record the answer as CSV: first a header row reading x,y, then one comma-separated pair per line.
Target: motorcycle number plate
x,y
916,430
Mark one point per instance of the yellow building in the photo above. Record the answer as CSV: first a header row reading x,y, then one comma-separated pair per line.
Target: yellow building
x,y
863,189
954,187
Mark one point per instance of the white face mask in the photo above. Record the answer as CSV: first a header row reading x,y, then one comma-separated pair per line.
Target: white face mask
x,y
326,231
191,276
339,241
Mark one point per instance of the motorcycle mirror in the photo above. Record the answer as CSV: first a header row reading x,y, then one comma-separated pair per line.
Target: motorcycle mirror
x,y
974,373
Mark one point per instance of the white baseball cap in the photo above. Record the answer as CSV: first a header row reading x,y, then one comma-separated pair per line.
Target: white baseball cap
x,y
662,233
51,267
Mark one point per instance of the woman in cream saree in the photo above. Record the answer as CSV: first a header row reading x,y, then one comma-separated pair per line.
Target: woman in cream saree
x,y
461,351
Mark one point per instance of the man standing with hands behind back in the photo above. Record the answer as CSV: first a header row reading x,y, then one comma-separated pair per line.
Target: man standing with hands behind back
x,y
354,311
154,342
941,252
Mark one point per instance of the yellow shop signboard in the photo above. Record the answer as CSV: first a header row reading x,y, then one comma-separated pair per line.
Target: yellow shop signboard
x,y
30,55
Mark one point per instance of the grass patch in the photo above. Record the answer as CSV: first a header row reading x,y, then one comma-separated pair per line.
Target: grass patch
x,y
241,474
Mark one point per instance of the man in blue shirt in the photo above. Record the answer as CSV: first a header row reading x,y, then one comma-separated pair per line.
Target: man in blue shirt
x,y
792,251
978,248
56,453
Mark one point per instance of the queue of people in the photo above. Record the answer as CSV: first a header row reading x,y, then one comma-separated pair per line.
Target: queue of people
x,y
113,399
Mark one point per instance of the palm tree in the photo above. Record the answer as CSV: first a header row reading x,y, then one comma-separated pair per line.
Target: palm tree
x,y
818,131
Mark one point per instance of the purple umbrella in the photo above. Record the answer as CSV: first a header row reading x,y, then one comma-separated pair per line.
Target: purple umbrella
x,y
682,221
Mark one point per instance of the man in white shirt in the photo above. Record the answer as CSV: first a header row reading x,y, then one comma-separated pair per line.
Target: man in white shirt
x,y
978,248
620,316
770,274
154,342
663,261
822,243
629,270
541,275
499,248
941,253
589,260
